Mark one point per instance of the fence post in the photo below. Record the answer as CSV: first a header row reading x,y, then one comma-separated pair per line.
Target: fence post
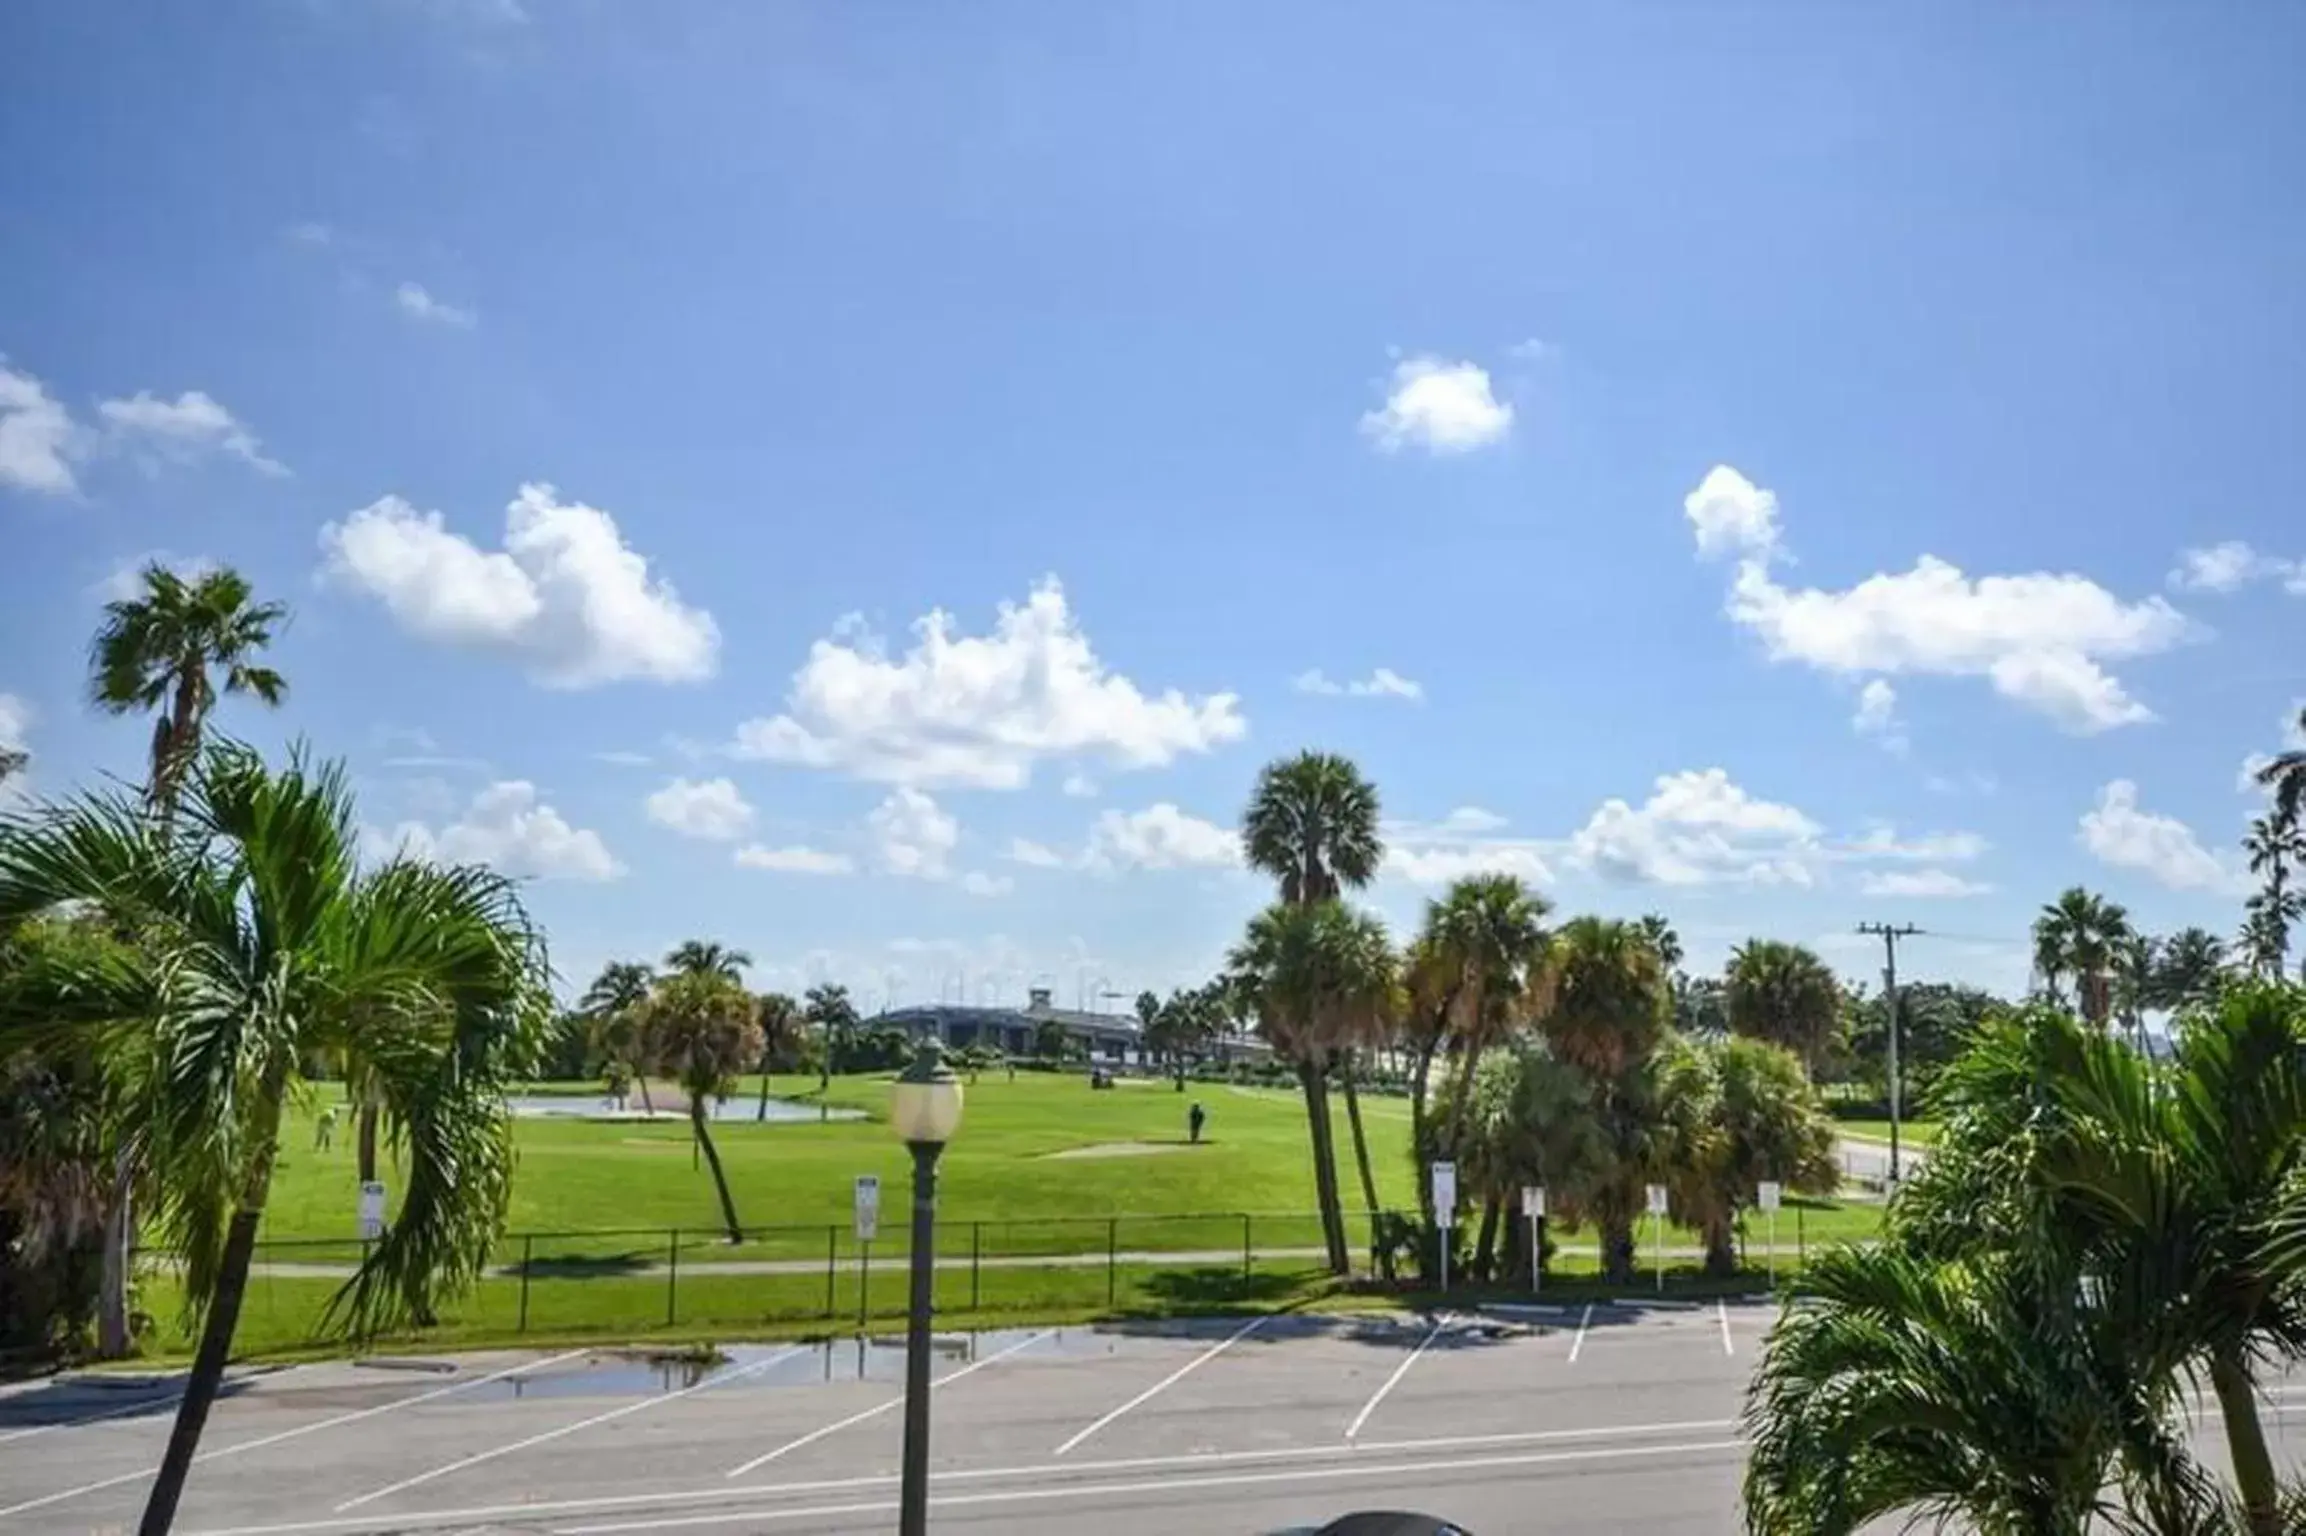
x,y
1112,1258
527,1263
1245,1249
832,1269
1801,1237
976,1253
673,1278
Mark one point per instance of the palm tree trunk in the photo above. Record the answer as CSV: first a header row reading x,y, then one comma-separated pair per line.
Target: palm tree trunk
x,y
762,1112
2246,1445
1418,1150
1617,1247
112,1338
1721,1258
364,1128
223,1317
1310,1077
713,1156
1360,1149
641,1077
1485,1251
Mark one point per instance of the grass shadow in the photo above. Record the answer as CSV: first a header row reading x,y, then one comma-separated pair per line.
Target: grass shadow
x,y
582,1266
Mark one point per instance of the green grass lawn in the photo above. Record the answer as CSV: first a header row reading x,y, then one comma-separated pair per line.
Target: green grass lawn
x,y
618,1231
1919,1132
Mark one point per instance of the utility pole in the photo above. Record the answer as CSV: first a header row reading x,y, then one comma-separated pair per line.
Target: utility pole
x,y
1891,933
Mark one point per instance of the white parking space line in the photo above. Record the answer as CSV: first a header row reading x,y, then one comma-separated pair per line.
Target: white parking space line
x,y
1721,1308
478,1457
604,1503
1353,1429
1166,1382
1163,1485
291,1434
1578,1343
814,1435
116,1411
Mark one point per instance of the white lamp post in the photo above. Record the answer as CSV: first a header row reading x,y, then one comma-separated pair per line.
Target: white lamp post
x,y
925,1111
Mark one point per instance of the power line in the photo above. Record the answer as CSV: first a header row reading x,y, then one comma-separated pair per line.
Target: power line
x,y
1890,934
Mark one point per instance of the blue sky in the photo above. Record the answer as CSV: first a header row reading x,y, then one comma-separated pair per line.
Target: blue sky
x,y
1777,466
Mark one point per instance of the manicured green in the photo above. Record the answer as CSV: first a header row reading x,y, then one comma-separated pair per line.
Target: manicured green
x,y
1918,1132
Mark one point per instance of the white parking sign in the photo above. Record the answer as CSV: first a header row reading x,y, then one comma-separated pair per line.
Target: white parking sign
x,y
1533,1200
868,1206
1771,1194
371,1211
1445,1194
1657,1199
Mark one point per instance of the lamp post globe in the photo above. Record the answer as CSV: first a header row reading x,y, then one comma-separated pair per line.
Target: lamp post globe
x,y
924,1111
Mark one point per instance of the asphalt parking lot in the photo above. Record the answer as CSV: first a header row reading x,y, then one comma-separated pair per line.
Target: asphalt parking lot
x,y
1575,1419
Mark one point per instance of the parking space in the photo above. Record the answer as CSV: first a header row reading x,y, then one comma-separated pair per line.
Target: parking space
x,y
1609,1413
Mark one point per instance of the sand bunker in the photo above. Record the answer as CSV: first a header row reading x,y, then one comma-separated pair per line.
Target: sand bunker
x,y
1120,1149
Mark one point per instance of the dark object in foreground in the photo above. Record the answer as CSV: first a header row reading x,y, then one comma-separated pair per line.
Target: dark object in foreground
x,y
1381,1523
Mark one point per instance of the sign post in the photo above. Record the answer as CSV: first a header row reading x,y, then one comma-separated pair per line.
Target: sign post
x,y
1657,1230
1771,1196
1445,1212
371,1211
1533,1212
868,1218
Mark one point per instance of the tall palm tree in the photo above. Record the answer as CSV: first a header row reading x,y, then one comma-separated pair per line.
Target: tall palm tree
x,y
1312,825
259,945
614,1006
2192,962
1659,930
707,957
2272,845
1785,994
706,1032
160,652
826,1005
2078,935
2284,775
1535,1121
1608,1018
1359,1015
1490,930
1311,976
781,1037
2137,978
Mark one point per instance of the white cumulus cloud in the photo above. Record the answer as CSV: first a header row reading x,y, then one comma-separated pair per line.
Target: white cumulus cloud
x,y
183,429
2040,639
508,828
1023,850
1383,683
1440,406
979,710
418,304
1921,884
1697,828
38,438
706,808
1439,863
2119,833
1877,715
565,597
913,835
978,883
1159,837
2232,565
795,860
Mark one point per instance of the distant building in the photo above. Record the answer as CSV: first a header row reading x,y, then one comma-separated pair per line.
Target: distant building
x,y
1111,1037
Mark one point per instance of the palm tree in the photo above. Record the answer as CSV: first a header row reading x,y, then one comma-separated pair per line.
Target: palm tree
x,y
1659,930
2272,846
2078,935
781,1036
826,1005
1733,1114
703,1024
159,652
1490,930
613,1004
1608,1019
1785,994
2284,775
1961,1393
707,957
2137,974
1312,825
1535,1121
2192,963
260,945
1314,977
